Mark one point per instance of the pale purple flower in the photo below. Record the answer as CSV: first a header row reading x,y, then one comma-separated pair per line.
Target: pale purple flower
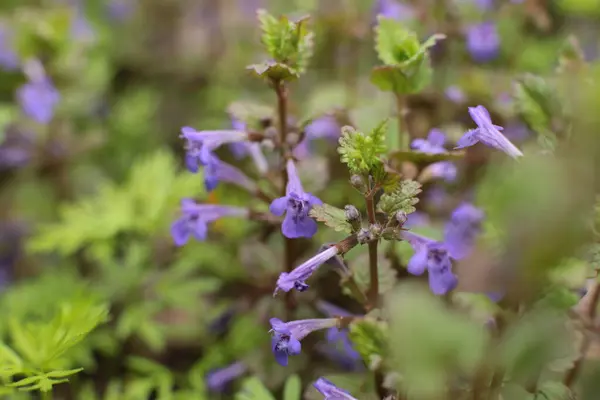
x,y
516,131
455,94
218,380
336,335
487,133
295,204
326,127
218,171
416,219
330,391
201,144
16,150
485,5
462,230
120,10
395,9
287,335
9,60
433,257
195,218
296,278
437,196
38,99
238,149
81,28
483,42
434,144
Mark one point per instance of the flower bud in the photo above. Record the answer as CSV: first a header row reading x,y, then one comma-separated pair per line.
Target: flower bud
x,y
358,183
352,213
401,217
375,230
364,236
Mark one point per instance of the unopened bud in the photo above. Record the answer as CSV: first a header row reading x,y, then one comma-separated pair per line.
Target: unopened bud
x,y
364,236
401,217
375,230
358,183
352,213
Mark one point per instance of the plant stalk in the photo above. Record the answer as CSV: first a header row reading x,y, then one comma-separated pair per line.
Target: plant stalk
x,y
373,293
403,130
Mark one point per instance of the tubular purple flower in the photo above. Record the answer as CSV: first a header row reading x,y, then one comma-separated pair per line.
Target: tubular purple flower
x,y
483,42
287,335
462,230
335,334
296,279
196,217
487,133
432,256
217,380
330,391
262,166
295,205
218,171
200,144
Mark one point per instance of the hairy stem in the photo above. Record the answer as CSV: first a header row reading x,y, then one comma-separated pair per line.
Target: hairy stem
x,y
282,106
573,373
373,294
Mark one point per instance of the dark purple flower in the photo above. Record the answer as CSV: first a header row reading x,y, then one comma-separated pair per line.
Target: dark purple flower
x,y
38,99
483,42
295,204
218,380
9,60
196,217
218,171
287,335
487,133
220,324
462,230
296,279
201,144
395,9
432,256
330,391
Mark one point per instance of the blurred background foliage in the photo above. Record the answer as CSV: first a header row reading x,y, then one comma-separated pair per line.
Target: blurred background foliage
x,y
87,198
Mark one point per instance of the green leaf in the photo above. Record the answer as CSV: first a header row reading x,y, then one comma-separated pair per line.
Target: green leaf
x,y
426,363
274,71
361,152
385,272
331,216
553,390
394,43
253,389
370,339
293,388
403,199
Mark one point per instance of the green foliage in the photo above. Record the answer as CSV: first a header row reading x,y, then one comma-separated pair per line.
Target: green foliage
x,y
133,207
370,338
331,216
289,43
361,152
403,199
360,271
406,66
253,389
293,388
420,354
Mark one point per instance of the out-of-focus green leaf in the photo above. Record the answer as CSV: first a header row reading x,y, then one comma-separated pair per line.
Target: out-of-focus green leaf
x,y
293,388
253,389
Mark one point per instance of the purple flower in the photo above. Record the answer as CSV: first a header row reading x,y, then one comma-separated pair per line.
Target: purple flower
x,y
295,204
218,380
330,391
431,256
462,230
201,144
485,5
415,219
196,217
16,150
218,171
326,127
483,42
9,59
434,144
487,133
296,279
394,9
335,334
517,132
81,28
120,10
287,335
238,149
455,94
38,99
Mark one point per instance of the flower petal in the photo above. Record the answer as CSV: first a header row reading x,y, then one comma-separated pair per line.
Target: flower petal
x,y
441,282
180,232
302,227
418,262
278,206
468,139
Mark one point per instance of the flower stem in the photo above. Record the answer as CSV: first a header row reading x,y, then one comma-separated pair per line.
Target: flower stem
x,y
573,373
402,121
373,293
282,106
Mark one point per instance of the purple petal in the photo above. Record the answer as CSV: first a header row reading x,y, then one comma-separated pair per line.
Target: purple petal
x,y
418,262
480,115
468,139
302,227
281,357
436,137
314,200
442,282
200,230
278,206
279,326
180,232
294,346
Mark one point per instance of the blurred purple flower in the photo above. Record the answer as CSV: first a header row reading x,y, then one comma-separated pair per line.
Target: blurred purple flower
x,y
330,391
432,256
394,9
445,170
220,324
483,42
462,230
218,380
455,94
336,335
196,217
437,196
295,205
340,357
16,149
287,335
296,278
487,133
516,131
200,145
326,127
434,144
238,149
485,5
120,10
38,99
81,28
9,60
415,219
218,171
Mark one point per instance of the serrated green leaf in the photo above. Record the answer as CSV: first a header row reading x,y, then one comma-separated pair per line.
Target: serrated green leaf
x,y
403,199
361,152
394,43
331,216
274,71
253,389
370,339
293,388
